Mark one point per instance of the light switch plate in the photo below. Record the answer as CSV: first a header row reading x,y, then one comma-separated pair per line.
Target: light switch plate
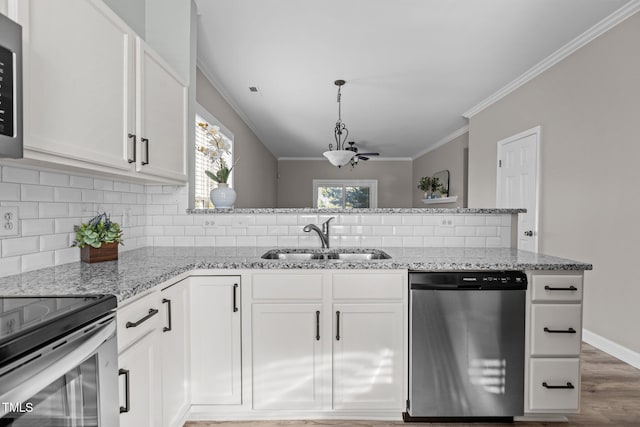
x,y
8,221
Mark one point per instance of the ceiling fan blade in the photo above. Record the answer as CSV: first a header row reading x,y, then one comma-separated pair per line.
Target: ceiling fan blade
x,y
363,158
368,154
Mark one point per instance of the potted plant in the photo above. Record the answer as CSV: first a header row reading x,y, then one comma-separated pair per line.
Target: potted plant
x,y
425,185
435,186
223,197
98,239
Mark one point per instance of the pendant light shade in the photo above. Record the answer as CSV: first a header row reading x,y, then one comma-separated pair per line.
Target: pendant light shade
x,y
339,157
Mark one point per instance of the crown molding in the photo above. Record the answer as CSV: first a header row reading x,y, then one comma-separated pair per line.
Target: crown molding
x,y
598,29
453,135
216,84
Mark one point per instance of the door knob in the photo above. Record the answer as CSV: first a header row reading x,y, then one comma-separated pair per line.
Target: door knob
x,y
528,233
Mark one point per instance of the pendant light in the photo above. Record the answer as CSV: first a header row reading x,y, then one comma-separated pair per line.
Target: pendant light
x,y
340,156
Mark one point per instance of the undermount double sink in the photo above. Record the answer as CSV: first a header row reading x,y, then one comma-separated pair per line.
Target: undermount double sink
x,y
326,254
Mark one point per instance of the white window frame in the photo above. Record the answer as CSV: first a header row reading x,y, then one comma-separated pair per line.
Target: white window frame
x,y
371,183
209,118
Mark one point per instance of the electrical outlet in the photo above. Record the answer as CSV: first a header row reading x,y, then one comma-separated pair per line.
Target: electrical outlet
x,y
447,222
8,221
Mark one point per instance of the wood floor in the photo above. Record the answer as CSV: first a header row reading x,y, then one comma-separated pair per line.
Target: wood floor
x,y
610,396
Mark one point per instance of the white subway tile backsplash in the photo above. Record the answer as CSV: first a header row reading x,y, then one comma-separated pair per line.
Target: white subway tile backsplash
x,y
370,219
474,220
432,241
506,220
265,219
66,225
10,265
36,227
475,242
349,219
288,241
277,230
257,230
121,186
392,241
202,241
26,210
411,219
453,242
102,184
64,256
174,230
350,241
163,241
161,220
444,231
383,230
153,189
38,260
286,219
112,197
370,241
63,194
465,230
494,242
19,175
236,231
81,182
170,209
36,193
403,230
308,241
20,246
487,231
136,188
246,240
155,210
423,230
184,241
215,231
413,241
493,220
183,220
225,241
53,210
432,220
267,241
9,191
305,219
55,179
391,219
95,196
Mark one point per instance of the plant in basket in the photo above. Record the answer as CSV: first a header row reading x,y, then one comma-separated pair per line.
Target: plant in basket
x,y
98,239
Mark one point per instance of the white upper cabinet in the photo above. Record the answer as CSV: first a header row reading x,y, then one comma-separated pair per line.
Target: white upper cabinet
x,y
93,90
161,119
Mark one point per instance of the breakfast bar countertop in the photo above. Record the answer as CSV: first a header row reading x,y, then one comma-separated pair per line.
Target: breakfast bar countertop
x,y
140,269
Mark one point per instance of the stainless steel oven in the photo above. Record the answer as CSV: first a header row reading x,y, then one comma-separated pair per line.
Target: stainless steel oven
x,y
58,362
10,88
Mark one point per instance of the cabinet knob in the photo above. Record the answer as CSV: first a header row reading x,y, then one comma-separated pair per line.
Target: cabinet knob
x,y
528,233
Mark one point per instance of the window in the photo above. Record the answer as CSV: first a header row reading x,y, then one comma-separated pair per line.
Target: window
x,y
341,194
202,183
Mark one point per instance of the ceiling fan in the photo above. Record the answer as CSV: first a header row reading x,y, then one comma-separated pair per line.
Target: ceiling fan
x,y
358,156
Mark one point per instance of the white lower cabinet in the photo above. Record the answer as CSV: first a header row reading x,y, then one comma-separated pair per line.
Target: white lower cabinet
x,y
140,363
367,356
330,341
174,335
287,356
215,340
555,335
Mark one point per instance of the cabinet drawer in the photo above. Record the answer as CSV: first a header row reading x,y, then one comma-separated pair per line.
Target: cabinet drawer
x,y
556,288
144,313
361,285
545,373
287,286
559,320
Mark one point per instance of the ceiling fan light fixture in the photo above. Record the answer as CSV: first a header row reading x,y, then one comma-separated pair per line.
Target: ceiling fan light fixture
x,y
339,157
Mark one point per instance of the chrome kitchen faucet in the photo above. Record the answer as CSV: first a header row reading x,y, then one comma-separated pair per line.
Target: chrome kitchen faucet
x,y
323,234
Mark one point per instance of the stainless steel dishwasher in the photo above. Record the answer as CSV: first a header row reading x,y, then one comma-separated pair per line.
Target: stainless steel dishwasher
x,y
466,345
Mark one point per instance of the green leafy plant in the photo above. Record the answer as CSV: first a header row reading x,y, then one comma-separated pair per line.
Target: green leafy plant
x,y
425,183
435,183
221,175
100,229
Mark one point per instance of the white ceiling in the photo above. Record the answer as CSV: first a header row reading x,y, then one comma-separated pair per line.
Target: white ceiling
x,y
412,66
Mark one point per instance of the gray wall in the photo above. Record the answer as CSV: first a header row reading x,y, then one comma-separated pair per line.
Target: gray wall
x,y
588,106
450,156
254,176
295,180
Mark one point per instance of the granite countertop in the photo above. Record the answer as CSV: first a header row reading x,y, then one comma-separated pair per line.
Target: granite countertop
x,y
141,269
497,211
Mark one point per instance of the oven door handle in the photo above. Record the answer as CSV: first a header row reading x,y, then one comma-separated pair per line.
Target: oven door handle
x,y
43,374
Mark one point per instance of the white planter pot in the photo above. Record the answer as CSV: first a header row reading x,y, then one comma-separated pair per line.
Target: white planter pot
x,y
223,197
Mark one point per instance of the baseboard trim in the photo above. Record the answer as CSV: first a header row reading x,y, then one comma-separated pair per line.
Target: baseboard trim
x,y
614,349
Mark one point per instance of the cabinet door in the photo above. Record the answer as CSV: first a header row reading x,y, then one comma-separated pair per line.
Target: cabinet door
x,y
142,361
78,64
215,340
367,356
287,356
161,114
175,352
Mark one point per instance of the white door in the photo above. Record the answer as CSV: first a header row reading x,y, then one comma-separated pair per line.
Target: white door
x,y
161,106
215,340
517,182
175,352
140,371
367,356
287,356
